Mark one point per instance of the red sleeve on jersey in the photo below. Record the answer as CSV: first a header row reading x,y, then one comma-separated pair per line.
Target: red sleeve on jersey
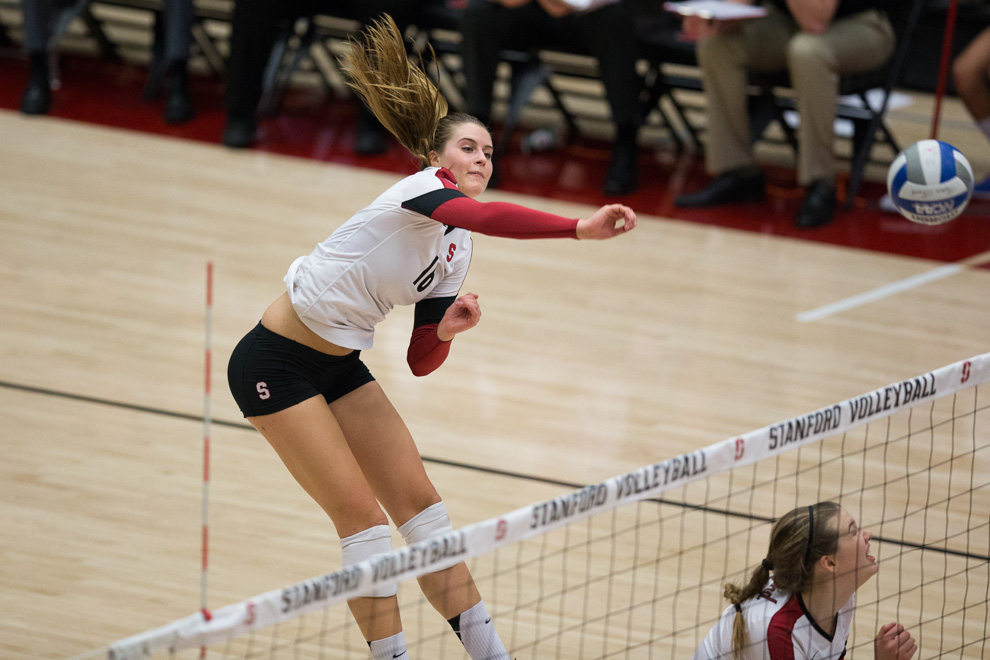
x,y
426,351
504,219
455,209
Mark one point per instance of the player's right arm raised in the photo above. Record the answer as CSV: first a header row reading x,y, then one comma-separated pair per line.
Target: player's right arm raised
x,y
605,223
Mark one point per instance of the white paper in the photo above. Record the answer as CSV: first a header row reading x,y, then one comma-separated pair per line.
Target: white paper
x,y
717,10
588,5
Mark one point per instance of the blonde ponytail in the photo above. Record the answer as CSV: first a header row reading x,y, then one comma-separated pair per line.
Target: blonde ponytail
x,y
399,94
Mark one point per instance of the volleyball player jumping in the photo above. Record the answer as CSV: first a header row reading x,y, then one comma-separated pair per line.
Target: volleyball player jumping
x,y
798,603
298,377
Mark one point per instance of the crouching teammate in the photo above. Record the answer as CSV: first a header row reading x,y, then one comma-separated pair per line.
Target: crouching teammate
x,y
298,375
798,604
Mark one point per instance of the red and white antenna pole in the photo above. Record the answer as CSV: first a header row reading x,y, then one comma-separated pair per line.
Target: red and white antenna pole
x,y
206,443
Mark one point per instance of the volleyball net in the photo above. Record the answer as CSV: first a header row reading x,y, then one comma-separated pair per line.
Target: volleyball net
x,y
634,566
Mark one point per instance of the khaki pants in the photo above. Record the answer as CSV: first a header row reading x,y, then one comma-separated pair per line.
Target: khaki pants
x,y
852,44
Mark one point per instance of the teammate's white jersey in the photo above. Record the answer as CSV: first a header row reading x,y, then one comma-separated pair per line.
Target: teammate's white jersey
x,y
383,256
778,627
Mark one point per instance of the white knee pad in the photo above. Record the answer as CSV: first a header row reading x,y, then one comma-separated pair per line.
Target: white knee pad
x,y
431,521
365,545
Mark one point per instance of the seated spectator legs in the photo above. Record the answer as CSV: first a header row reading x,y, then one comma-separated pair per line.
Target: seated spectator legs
x,y
850,43
971,74
617,61
254,29
860,42
488,28
483,26
39,21
178,17
370,136
725,60
38,15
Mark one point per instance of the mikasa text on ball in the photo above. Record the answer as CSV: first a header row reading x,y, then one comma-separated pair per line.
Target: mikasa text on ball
x,y
930,182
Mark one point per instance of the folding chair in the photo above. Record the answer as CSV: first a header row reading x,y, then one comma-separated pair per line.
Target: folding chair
x,y
657,33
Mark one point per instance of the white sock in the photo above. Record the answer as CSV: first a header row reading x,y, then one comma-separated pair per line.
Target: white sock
x,y
390,647
984,125
477,634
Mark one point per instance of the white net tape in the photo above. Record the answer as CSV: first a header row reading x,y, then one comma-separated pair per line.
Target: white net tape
x,y
267,609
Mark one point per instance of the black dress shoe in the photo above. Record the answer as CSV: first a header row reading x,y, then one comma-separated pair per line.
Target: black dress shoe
x,y
818,207
744,185
240,131
178,107
37,99
370,143
371,138
496,176
622,176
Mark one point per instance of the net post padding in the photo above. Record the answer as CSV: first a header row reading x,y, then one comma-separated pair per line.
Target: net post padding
x,y
450,549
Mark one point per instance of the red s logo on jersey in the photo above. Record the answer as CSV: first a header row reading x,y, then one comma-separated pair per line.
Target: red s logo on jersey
x,y
450,252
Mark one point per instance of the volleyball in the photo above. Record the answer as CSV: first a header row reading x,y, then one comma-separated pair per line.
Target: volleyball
x,y
930,182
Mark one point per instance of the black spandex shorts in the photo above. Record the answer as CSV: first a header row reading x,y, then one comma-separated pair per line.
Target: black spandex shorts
x,y
268,373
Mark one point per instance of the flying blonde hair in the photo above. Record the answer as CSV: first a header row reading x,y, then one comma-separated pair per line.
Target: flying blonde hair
x,y
398,92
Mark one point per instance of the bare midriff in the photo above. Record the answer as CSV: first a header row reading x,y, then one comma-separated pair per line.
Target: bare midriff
x,y
281,318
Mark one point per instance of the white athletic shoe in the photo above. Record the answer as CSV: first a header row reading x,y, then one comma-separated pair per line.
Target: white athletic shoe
x,y
982,189
887,204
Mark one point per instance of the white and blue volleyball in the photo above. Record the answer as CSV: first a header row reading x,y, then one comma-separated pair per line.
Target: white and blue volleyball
x,y
930,182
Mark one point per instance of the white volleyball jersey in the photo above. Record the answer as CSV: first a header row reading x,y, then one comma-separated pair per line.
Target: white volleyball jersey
x,y
383,256
778,627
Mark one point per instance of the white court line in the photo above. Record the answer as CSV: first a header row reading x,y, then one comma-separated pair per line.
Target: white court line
x,y
877,294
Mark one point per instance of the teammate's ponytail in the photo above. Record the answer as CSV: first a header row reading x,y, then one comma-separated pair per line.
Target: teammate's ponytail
x,y
798,540
737,595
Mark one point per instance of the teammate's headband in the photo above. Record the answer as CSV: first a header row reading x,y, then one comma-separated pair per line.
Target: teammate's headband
x,y
811,533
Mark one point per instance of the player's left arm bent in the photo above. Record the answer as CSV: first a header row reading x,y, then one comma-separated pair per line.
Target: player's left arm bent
x,y
437,320
463,315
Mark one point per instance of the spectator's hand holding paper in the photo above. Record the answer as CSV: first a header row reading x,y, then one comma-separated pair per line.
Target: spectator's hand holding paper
x,y
703,18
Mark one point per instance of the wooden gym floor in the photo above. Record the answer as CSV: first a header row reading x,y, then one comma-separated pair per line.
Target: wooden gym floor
x,y
591,359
